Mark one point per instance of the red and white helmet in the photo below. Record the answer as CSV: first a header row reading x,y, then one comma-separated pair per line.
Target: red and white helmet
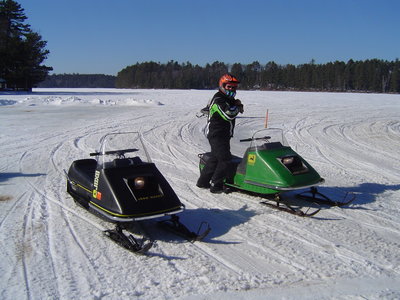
x,y
233,83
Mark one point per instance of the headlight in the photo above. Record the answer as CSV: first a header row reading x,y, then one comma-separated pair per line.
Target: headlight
x,y
139,183
287,160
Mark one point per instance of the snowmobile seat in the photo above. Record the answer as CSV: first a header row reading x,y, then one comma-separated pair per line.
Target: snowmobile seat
x,y
272,146
82,171
235,160
124,162
266,146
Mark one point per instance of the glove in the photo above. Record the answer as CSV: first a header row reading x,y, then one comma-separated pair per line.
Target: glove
x,y
239,104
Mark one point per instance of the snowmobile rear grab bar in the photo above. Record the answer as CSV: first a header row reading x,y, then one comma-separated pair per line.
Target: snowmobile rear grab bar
x,y
256,139
114,152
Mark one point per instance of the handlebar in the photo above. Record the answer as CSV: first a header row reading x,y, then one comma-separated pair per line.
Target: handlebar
x,y
256,139
117,152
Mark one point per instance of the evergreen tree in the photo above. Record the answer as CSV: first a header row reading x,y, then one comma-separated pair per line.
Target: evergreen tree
x,y
395,77
22,51
237,70
270,76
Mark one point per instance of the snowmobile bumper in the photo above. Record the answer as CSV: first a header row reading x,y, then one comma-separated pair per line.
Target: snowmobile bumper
x,y
120,218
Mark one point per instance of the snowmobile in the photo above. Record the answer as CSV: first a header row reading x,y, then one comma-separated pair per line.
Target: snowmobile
x,y
125,190
271,167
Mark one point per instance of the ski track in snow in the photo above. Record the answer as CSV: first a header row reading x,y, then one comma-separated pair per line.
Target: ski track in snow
x,y
55,249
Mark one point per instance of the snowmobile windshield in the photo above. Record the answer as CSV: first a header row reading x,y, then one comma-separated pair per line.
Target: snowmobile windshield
x,y
269,138
124,147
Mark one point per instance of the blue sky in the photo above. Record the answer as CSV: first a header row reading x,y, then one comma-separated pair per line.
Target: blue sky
x,y
103,36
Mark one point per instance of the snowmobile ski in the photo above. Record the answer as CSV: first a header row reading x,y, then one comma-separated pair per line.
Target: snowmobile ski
x,y
276,202
129,242
175,226
282,206
314,196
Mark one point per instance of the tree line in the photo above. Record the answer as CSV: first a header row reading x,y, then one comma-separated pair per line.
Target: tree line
x,y
372,75
78,81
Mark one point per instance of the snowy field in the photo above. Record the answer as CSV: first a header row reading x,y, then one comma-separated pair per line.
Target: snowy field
x,y
52,249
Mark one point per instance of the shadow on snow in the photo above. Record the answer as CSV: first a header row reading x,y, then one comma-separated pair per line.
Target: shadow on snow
x,y
221,221
7,176
365,192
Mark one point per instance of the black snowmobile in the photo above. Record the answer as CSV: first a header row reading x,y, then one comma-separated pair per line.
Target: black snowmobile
x,y
269,168
126,190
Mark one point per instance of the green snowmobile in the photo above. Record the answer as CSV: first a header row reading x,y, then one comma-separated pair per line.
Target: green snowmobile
x,y
271,167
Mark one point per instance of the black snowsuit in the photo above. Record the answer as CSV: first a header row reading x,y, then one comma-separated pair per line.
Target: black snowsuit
x,y
220,126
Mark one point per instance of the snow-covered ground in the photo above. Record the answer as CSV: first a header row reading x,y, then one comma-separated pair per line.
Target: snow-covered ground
x,y
52,249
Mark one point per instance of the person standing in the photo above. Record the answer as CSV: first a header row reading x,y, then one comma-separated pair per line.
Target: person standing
x,y
223,110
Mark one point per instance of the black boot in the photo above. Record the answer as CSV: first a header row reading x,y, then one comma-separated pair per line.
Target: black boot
x,y
216,188
203,185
